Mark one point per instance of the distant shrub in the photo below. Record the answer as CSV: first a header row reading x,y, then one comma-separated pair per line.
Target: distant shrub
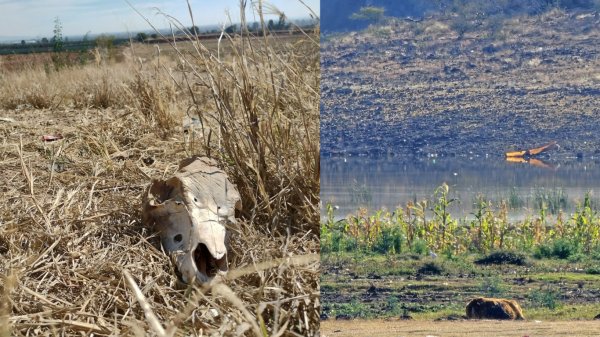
x,y
350,244
593,270
563,248
545,298
420,247
492,286
543,251
411,256
461,25
390,241
369,13
578,257
560,248
430,268
503,257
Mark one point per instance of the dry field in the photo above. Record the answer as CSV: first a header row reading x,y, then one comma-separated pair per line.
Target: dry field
x,y
457,328
70,209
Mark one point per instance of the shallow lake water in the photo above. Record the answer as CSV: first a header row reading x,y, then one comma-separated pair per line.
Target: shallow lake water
x,y
375,183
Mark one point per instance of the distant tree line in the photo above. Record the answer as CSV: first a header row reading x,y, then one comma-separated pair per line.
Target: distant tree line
x,y
59,43
254,27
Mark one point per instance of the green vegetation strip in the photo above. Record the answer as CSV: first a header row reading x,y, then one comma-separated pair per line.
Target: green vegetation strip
x,y
407,263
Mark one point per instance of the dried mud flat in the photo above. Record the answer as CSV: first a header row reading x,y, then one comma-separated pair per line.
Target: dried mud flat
x,y
387,328
414,89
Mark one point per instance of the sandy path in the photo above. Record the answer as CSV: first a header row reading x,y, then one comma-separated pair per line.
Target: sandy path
x,y
381,328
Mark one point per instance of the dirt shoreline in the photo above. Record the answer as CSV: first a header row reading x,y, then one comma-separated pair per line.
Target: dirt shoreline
x,y
466,328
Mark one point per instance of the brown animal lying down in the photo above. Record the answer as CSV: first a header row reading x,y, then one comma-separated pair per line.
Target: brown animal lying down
x,y
494,308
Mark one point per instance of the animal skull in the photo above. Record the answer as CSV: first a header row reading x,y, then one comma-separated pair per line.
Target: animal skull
x,y
190,211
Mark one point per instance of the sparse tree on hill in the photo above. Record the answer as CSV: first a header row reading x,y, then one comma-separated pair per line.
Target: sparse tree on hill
x,y
57,40
281,23
194,30
369,13
141,37
231,29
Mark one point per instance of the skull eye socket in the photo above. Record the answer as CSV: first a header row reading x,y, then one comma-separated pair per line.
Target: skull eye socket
x,y
178,238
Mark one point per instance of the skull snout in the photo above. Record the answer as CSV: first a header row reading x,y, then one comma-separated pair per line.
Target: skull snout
x,y
191,211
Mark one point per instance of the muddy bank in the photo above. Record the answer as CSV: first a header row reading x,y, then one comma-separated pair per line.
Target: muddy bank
x,y
418,89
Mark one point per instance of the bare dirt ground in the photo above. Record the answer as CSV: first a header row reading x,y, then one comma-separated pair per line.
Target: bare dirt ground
x,y
385,328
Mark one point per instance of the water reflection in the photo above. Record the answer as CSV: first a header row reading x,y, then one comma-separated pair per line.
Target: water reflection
x,y
524,185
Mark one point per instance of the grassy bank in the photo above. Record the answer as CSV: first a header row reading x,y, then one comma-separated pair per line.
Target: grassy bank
x,y
422,262
408,285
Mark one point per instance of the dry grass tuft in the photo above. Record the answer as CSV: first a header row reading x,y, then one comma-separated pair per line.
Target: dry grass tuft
x,y
264,105
70,210
155,100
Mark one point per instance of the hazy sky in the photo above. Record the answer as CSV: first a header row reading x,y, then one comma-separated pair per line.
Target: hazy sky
x,y
35,18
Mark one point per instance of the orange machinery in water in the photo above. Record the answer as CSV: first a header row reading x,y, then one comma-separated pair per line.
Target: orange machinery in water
x,y
525,156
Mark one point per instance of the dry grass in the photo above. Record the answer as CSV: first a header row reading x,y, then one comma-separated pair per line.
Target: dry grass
x,y
76,258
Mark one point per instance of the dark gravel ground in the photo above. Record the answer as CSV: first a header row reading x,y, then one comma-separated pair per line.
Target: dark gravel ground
x,y
418,89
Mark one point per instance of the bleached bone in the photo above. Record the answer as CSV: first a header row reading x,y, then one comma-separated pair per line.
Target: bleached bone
x,y
191,212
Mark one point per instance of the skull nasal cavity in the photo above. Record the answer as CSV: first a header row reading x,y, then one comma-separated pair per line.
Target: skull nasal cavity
x,y
178,238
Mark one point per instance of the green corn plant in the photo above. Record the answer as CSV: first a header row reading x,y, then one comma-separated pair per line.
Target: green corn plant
x,y
590,229
478,224
440,209
542,213
559,228
406,228
492,228
420,220
404,223
503,223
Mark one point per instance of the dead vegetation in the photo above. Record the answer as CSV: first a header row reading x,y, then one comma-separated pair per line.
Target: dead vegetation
x,y
75,256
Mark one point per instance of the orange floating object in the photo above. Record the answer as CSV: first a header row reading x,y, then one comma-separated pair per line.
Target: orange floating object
x,y
516,154
539,163
530,152
515,159
530,161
